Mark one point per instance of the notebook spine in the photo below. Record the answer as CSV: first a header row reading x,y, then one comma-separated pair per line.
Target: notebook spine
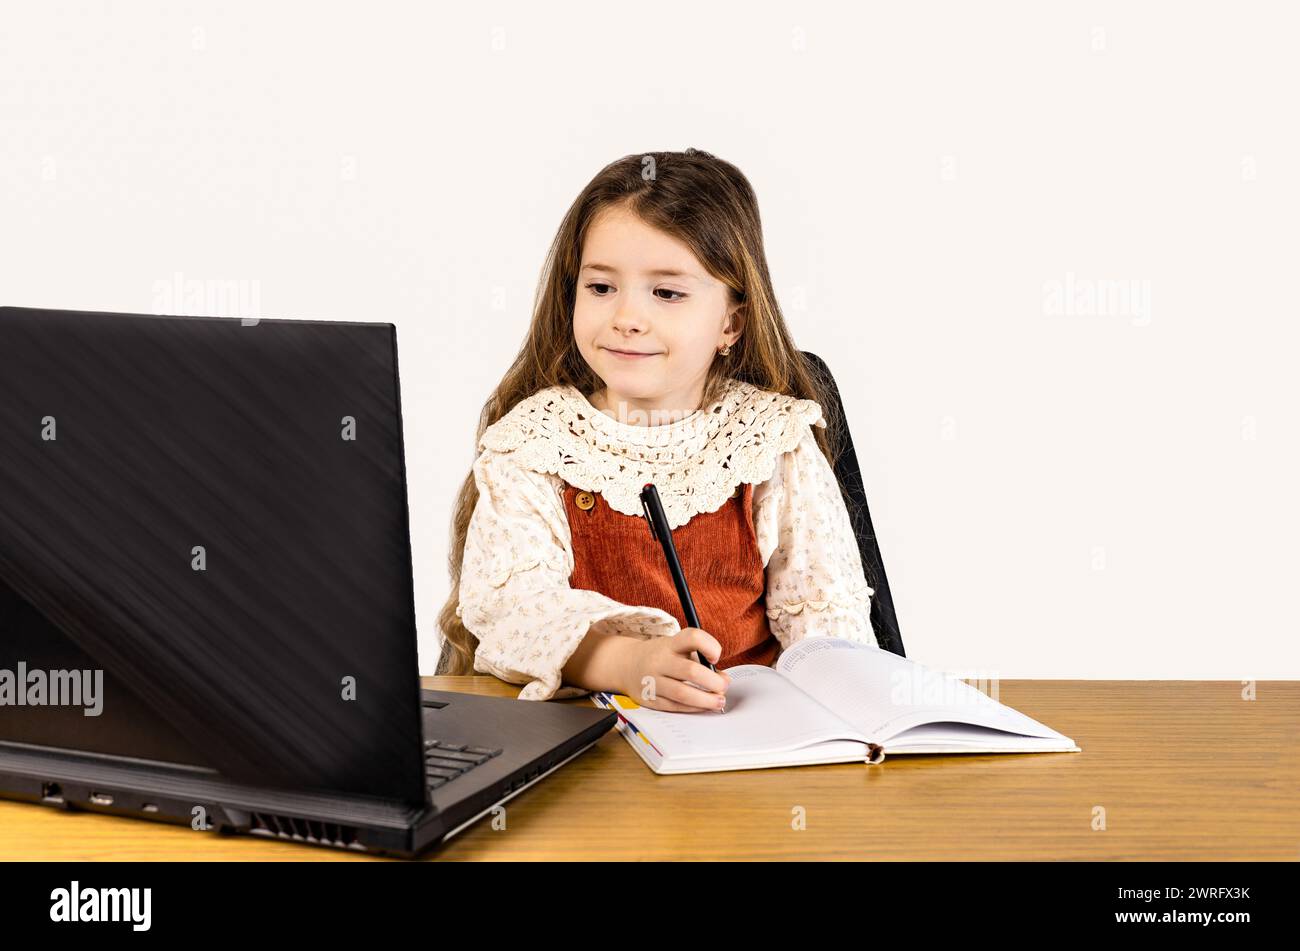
x,y
875,753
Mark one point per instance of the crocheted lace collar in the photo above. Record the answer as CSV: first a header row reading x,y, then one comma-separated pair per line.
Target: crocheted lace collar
x,y
696,462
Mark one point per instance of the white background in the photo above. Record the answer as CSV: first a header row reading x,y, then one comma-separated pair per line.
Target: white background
x,y
1082,494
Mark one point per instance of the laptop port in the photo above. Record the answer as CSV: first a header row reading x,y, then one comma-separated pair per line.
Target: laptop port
x,y
101,799
51,792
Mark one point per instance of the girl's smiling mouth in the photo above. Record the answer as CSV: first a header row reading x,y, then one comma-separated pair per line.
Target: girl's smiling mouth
x,y
629,354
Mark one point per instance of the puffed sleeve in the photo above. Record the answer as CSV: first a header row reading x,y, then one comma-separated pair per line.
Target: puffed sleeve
x,y
515,595
814,579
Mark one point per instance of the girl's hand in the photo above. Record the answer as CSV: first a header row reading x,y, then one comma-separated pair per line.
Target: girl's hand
x,y
669,663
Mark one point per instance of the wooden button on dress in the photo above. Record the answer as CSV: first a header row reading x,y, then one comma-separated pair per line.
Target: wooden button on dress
x,y
585,501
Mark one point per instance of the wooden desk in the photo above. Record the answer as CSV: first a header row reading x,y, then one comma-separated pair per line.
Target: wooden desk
x,y
1185,770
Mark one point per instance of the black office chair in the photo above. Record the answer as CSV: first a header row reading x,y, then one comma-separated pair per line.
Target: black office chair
x,y
884,622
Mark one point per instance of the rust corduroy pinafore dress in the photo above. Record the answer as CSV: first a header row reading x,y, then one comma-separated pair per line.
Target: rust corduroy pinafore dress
x,y
616,555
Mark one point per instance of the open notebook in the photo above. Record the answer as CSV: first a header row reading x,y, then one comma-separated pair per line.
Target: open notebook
x,y
829,700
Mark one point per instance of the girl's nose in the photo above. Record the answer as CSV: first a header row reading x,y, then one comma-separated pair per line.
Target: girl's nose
x,y
624,328
627,319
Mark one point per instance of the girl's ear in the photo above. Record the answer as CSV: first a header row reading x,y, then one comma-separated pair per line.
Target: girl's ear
x,y
735,319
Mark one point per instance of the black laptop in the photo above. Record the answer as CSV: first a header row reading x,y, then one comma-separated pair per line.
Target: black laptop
x,y
206,598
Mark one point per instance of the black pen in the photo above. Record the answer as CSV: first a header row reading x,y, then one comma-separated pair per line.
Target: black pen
x,y
654,513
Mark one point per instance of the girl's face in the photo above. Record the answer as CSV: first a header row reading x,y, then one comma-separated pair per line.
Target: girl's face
x,y
642,291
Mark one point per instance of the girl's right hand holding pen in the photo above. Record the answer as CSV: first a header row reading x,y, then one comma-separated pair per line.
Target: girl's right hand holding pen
x,y
662,673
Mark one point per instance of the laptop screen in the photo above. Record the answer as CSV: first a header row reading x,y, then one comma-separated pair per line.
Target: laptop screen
x,y
205,549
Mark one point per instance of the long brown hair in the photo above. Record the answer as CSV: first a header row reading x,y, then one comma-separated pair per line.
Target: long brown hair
x,y
708,205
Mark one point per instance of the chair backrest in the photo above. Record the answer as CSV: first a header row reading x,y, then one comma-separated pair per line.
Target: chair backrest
x,y
884,622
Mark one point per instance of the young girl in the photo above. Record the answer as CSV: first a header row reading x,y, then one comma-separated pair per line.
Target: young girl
x,y
657,353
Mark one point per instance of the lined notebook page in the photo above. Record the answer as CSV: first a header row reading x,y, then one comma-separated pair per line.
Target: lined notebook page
x,y
883,694
764,713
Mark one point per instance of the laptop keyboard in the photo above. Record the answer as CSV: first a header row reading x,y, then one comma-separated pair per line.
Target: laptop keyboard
x,y
444,761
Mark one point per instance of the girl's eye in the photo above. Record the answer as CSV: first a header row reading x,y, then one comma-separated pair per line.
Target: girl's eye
x,y
680,295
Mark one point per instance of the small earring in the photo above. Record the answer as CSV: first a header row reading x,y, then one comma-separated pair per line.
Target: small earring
x,y
726,349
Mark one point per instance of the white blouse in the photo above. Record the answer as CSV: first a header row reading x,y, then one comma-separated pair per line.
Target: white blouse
x,y
515,595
